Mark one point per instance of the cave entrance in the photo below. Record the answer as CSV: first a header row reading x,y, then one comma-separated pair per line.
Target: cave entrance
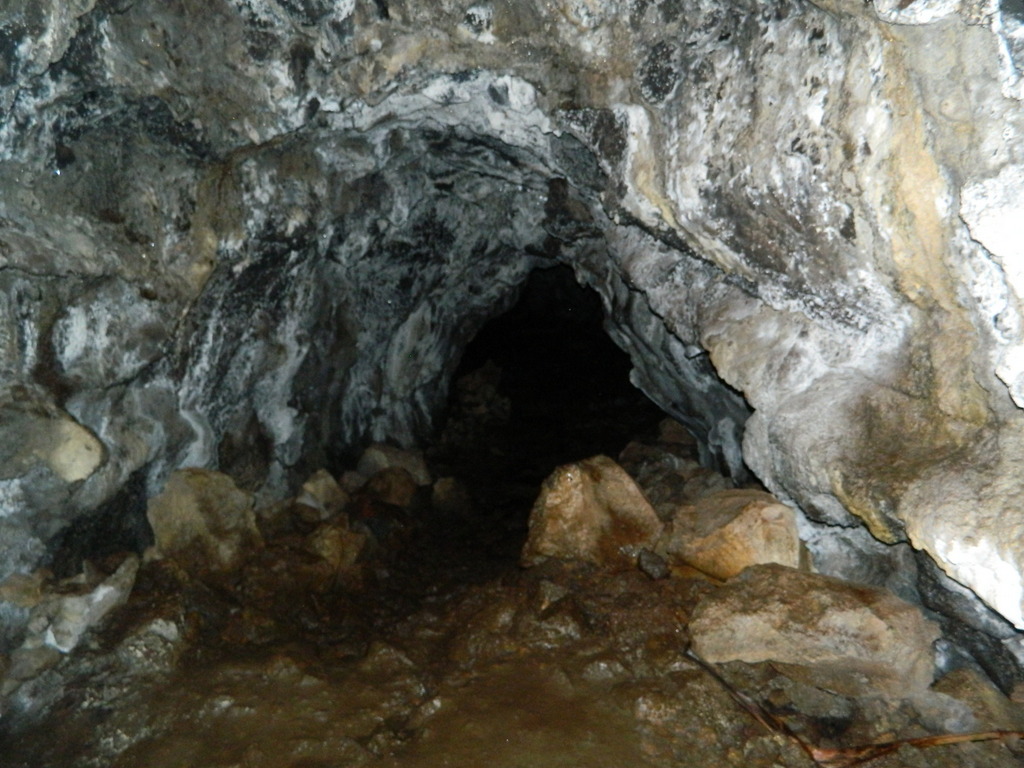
x,y
538,386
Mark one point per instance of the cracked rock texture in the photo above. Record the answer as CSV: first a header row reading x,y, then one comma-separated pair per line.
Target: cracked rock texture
x,y
255,235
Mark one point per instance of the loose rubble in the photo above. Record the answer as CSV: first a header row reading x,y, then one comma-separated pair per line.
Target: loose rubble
x,y
370,627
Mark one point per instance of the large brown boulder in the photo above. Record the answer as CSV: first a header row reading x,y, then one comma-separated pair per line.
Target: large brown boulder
x,y
204,521
723,533
842,636
591,510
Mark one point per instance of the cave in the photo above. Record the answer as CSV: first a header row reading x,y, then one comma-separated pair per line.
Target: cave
x,y
310,308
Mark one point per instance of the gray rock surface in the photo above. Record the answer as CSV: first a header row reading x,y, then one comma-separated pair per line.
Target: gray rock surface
x,y
250,234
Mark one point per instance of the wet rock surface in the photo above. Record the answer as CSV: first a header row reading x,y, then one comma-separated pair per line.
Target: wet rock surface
x,y
591,510
867,639
726,531
360,634
255,236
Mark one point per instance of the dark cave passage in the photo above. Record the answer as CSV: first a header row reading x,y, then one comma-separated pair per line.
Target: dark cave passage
x,y
539,386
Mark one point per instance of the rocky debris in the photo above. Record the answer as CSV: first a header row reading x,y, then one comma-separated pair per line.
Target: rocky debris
x,y
846,637
64,619
726,531
653,564
61,615
688,719
322,493
288,676
591,510
337,544
670,475
379,457
335,642
204,521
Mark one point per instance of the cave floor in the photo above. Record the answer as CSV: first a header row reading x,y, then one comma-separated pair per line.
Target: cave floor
x,y
443,652
438,649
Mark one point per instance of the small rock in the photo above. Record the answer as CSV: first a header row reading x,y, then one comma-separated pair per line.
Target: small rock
x,y
549,593
652,564
23,589
852,638
379,456
392,485
591,510
602,670
351,481
203,521
72,615
990,707
153,647
27,662
671,431
705,482
662,474
337,544
729,530
385,660
322,492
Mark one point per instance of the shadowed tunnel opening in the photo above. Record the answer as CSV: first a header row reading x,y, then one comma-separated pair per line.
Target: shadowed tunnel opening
x,y
539,386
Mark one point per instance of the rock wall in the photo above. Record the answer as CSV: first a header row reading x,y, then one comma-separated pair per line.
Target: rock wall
x,y
255,234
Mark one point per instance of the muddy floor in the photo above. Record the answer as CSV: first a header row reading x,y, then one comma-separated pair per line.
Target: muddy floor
x,y
434,647
446,653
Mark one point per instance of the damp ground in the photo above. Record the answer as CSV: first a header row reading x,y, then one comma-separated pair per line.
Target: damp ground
x,y
431,646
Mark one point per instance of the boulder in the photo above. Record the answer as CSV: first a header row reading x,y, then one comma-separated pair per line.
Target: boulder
x,y
591,510
392,485
204,521
842,636
322,493
336,544
727,531
380,456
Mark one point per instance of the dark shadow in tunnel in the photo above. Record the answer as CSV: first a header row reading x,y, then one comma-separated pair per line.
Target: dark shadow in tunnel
x,y
539,386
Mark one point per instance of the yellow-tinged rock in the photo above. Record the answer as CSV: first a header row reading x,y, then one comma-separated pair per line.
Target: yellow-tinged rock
x,y
849,638
204,521
48,435
727,531
337,544
591,510
74,453
392,485
380,456
322,492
